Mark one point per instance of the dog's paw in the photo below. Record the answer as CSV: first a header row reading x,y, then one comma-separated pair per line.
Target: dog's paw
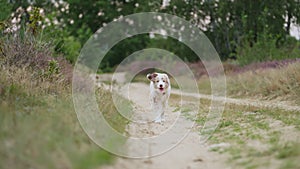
x,y
158,120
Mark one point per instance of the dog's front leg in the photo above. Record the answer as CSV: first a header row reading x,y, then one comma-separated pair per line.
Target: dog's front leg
x,y
158,110
164,107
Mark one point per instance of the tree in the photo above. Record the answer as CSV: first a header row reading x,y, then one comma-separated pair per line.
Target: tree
x,y
229,24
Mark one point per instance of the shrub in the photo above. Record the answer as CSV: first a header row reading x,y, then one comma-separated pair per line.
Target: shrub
x,y
267,49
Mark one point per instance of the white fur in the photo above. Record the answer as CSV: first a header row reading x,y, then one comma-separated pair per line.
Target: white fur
x,y
160,89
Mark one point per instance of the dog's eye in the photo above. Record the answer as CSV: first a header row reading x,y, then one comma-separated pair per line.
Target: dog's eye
x,y
164,81
157,81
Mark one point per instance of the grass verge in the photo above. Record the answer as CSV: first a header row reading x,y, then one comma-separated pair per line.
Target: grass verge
x,y
38,125
256,138
282,83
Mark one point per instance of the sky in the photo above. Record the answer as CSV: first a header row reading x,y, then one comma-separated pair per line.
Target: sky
x,y
295,31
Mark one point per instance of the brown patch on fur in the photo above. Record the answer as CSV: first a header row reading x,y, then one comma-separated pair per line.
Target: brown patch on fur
x,y
152,76
165,78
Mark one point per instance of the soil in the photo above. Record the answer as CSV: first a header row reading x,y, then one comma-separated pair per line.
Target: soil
x,y
189,153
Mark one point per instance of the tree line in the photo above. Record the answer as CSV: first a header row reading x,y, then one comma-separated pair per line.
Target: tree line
x,y
238,29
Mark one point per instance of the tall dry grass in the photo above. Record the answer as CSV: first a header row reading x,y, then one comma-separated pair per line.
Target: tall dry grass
x,y
281,83
38,125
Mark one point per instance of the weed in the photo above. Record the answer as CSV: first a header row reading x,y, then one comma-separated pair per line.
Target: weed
x,y
290,149
254,142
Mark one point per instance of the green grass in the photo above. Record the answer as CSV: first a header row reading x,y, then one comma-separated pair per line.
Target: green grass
x,y
38,124
288,150
39,128
43,132
253,142
257,135
113,117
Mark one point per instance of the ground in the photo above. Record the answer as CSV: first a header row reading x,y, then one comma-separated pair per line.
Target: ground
x,y
190,153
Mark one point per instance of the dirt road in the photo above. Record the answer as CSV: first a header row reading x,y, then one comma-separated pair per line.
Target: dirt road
x,y
188,154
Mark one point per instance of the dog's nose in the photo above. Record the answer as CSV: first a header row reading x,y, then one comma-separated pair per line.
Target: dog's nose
x,y
161,85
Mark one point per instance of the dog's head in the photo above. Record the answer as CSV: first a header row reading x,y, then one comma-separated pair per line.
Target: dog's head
x,y
160,80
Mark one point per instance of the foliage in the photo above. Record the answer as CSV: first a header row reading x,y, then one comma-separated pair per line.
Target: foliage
x,y
53,68
5,9
266,48
38,126
35,20
123,49
181,50
236,28
239,23
70,48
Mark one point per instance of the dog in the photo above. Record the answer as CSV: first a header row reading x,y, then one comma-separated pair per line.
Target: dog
x,y
160,89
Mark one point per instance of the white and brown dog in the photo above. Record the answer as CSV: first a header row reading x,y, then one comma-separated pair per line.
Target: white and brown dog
x,y
160,89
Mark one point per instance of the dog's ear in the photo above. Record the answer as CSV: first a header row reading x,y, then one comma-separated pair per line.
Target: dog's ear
x,y
151,76
167,78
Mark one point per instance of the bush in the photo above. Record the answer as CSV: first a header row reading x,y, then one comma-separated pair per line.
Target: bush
x,y
30,53
267,49
71,48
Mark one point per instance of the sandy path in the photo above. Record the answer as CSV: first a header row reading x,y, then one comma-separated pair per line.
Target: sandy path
x,y
120,77
247,102
188,154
